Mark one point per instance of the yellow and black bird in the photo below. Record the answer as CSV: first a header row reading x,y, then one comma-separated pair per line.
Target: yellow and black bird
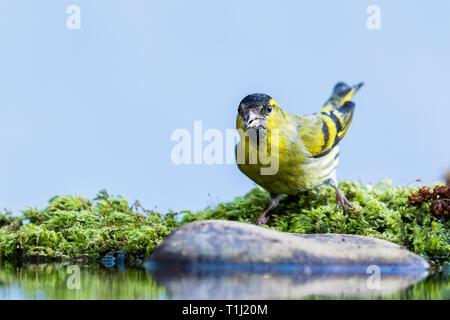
x,y
307,146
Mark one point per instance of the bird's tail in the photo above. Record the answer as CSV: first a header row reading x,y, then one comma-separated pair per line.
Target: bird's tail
x,y
342,93
339,109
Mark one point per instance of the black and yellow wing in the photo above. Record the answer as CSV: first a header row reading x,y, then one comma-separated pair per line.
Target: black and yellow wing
x,y
322,131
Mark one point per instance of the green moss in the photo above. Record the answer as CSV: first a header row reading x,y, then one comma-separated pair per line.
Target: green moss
x,y
73,226
381,211
6,218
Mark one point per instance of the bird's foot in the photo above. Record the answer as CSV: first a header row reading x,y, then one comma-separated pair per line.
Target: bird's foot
x,y
262,219
274,200
342,201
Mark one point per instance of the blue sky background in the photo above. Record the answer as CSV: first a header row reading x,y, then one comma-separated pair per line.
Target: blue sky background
x,y
94,108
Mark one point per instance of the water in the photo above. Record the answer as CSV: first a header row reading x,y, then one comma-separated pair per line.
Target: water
x,y
87,281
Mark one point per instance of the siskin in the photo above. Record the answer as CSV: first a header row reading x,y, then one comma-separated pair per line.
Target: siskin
x,y
305,147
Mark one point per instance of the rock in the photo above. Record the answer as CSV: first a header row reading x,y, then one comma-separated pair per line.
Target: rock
x,y
216,244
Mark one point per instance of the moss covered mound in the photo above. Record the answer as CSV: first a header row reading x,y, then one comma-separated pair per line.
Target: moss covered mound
x,y
73,226
381,211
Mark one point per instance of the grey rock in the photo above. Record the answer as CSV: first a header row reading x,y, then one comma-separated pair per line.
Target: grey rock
x,y
213,244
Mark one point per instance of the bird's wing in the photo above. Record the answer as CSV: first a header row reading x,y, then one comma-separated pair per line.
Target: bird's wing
x,y
320,132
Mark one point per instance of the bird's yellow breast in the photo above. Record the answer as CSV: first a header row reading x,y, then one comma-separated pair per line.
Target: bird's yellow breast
x,y
282,143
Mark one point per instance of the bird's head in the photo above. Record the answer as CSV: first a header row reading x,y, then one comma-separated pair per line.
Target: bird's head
x,y
255,110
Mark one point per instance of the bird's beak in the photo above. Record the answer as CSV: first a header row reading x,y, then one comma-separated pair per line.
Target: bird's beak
x,y
253,119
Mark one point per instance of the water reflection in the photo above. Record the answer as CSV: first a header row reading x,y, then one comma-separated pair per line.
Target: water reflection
x,y
203,284
50,281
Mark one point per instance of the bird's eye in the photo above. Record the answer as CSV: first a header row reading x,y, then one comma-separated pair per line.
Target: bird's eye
x,y
269,108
